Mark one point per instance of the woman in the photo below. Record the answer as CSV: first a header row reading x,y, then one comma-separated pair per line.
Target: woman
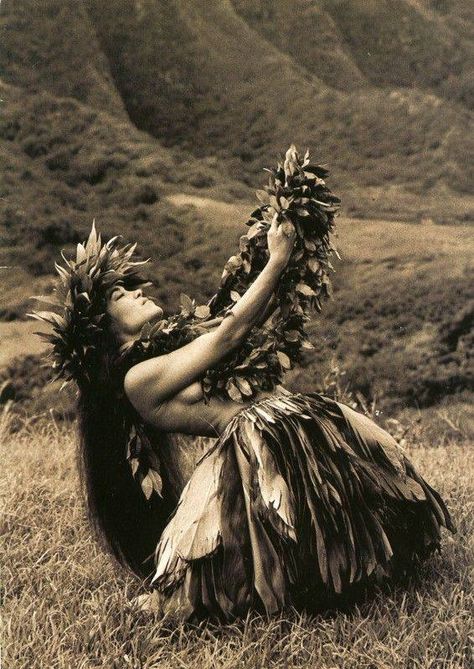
x,y
299,499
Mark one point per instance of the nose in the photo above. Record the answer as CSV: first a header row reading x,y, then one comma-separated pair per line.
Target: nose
x,y
138,293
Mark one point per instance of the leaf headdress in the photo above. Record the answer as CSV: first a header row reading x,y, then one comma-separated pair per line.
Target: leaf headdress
x,y
80,298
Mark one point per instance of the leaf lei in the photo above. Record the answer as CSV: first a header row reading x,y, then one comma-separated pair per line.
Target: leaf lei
x,y
297,192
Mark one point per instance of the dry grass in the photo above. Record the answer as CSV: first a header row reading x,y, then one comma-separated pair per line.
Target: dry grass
x,y
66,605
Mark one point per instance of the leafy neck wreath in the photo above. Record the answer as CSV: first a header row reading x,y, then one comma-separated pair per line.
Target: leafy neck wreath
x,y
297,192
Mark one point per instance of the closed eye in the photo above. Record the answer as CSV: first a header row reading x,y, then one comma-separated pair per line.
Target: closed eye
x,y
116,294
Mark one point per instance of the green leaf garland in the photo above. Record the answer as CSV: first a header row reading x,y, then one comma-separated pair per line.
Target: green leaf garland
x,y
296,192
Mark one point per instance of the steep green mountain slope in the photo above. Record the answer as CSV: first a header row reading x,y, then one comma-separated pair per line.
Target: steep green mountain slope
x,y
51,46
352,43
410,43
245,97
307,33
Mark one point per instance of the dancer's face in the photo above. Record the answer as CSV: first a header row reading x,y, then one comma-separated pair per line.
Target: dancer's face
x,y
130,310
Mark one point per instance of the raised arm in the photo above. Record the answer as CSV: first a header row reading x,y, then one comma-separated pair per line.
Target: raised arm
x,y
271,307
151,381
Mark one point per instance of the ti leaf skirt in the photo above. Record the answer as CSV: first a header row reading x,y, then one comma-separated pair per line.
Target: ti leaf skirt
x,y
299,499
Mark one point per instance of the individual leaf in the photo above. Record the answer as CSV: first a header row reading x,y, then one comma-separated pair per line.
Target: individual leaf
x,y
243,242
274,203
145,331
318,170
244,386
134,464
49,338
202,311
132,446
233,391
186,302
81,254
234,263
334,249
285,361
147,486
305,290
313,264
156,480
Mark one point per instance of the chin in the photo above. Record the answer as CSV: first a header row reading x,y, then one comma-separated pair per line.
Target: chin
x,y
156,311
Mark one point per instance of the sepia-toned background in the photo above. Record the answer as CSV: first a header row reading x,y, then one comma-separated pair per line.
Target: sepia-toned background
x,y
156,118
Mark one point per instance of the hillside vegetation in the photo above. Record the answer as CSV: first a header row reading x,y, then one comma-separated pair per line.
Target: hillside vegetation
x,y
399,326
157,118
243,96
350,44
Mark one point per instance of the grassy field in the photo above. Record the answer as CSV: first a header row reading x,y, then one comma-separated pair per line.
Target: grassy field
x,y
66,606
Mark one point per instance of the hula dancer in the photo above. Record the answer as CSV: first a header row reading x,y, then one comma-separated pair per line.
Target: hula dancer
x,y
299,501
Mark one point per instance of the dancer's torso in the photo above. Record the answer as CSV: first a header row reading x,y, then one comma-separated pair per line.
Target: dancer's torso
x,y
187,412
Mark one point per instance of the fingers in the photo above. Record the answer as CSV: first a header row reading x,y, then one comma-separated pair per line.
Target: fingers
x,y
288,229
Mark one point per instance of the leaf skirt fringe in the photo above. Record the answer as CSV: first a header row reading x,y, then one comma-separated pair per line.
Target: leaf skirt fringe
x,y
299,500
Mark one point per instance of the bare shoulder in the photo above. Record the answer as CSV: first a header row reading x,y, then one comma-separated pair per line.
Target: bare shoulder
x,y
136,385
132,381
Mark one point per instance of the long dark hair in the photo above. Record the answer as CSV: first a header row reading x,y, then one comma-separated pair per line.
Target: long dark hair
x,y
125,522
